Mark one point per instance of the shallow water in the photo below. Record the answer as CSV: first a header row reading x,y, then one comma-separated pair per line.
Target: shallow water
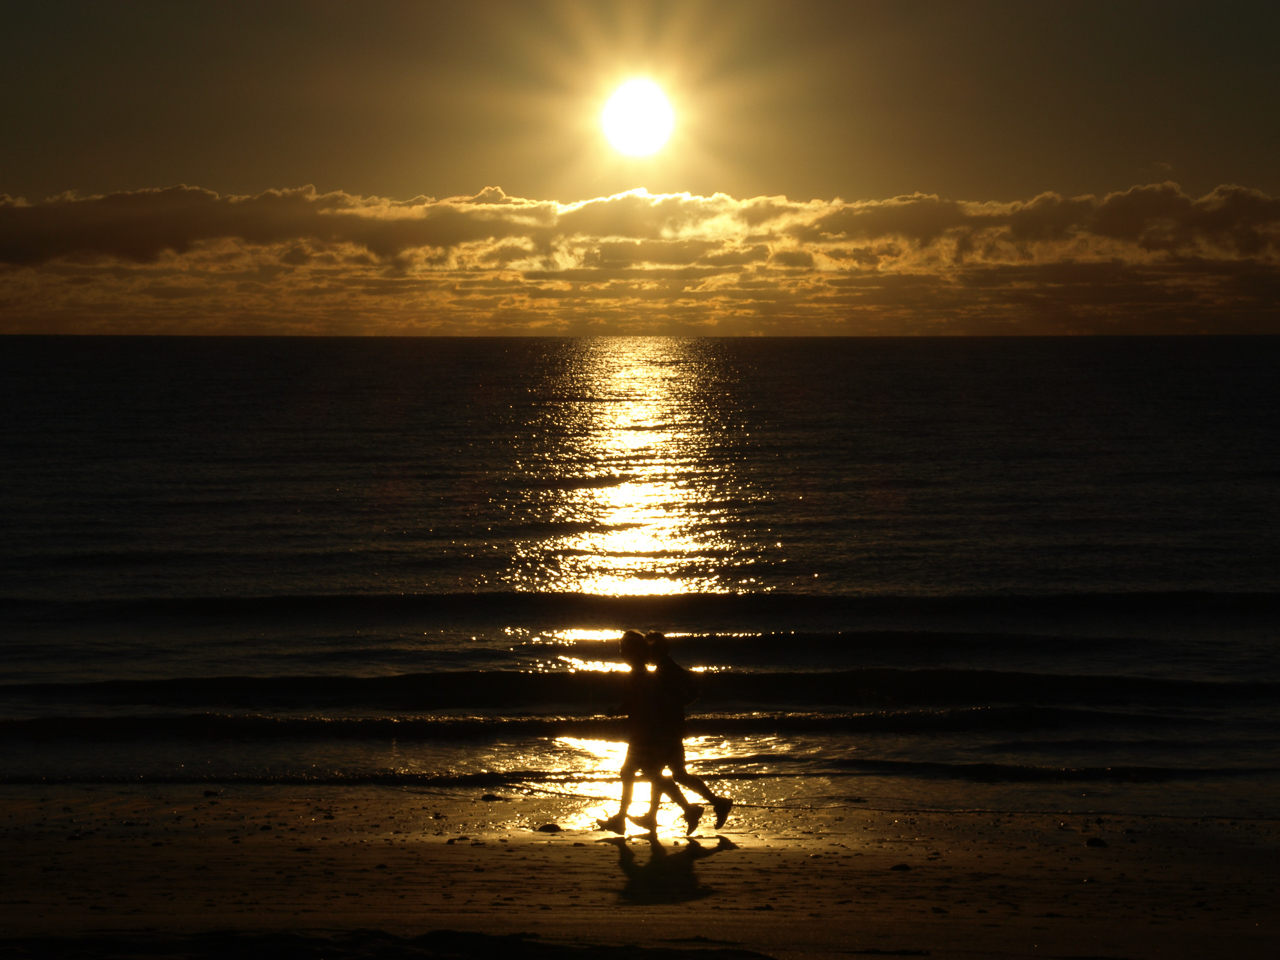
x,y
940,570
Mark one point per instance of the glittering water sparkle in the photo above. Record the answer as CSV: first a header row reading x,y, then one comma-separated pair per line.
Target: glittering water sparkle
x,y
644,466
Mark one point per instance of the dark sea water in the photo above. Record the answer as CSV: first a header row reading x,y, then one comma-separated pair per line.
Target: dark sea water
x,y
960,573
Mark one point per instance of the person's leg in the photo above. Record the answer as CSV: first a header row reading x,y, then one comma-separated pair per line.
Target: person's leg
x,y
681,775
618,822
650,818
628,784
692,814
655,796
662,784
699,786
674,755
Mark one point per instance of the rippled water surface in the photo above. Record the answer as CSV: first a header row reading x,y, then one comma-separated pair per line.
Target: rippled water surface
x,y
638,466
908,568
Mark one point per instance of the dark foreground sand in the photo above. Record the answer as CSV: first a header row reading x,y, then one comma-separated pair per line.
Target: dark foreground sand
x,y
305,872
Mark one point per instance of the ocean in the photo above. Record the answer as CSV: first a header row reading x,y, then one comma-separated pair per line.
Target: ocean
x,y
1031,574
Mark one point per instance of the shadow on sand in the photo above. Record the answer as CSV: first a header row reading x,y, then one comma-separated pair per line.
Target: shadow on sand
x,y
666,877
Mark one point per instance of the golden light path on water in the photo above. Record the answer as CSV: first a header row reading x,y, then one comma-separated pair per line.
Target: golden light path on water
x,y
637,486
639,468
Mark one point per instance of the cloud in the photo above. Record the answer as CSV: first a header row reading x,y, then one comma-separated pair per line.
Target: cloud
x,y
185,259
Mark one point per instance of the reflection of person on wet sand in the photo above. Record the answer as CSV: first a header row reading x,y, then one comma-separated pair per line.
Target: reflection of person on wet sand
x,y
673,689
640,704
667,877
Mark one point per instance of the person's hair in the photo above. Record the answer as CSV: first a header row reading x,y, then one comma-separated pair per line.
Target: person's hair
x,y
658,646
633,646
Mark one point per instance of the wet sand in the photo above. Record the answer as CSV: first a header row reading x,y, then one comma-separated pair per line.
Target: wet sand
x,y
365,871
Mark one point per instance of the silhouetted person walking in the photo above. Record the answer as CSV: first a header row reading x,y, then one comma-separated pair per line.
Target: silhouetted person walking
x,y
640,703
674,688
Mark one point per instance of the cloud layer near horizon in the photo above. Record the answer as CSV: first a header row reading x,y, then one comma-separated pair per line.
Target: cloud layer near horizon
x,y
185,260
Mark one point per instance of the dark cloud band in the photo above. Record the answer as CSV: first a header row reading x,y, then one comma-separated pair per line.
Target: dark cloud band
x,y
1148,259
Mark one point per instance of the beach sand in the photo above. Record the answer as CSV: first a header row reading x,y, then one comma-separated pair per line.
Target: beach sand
x,y
303,871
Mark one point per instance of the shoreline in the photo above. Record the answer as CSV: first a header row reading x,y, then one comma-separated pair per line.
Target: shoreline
x,y
135,865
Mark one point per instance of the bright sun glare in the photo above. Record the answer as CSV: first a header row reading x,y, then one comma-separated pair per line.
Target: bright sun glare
x,y
638,119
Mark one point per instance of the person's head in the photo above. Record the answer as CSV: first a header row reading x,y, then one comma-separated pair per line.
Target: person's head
x,y
634,648
658,647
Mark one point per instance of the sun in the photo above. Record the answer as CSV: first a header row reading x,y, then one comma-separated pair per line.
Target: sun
x,y
638,119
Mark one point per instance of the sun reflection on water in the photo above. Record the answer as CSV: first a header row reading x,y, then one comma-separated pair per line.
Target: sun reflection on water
x,y
634,476
598,760
600,666
579,635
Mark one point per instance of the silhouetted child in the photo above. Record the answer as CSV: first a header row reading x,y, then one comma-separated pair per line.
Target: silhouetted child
x,y
673,689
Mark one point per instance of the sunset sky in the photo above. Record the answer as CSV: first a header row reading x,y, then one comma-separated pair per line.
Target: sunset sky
x,y
834,168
